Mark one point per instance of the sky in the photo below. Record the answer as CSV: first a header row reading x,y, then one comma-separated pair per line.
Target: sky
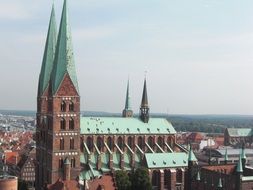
x,y
198,54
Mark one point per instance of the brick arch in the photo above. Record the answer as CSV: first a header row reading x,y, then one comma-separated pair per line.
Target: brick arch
x,y
160,141
100,143
130,142
89,143
109,142
120,142
151,141
155,178
140,142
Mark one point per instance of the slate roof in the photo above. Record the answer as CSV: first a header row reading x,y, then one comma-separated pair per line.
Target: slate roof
x,y
120,125
166,160
239,132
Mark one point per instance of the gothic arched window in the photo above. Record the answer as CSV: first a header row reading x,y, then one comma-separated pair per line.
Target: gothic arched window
x,y
130,142
61,144
99,143
120,142
71,106
63,124
140,142
63,106
160,141
60,163
71,123
71,143
73,162
109,142
150,141
89,143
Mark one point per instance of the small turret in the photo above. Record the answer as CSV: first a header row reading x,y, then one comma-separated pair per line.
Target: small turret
x,y
144,109
239,174
66,169
127,112
243,156
226,157
219,187
191,162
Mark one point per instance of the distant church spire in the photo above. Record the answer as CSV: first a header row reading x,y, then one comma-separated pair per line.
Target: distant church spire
x,y
127,112
64,57
48,57
144,109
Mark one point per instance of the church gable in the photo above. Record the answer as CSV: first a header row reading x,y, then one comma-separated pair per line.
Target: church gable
x,y
67,87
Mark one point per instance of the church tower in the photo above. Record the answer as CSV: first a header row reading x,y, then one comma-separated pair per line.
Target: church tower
x,y
42,103
144,109
60,155
127,112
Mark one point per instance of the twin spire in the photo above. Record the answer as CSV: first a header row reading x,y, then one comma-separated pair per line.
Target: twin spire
x,y
48,57
58,63
144,108
58,60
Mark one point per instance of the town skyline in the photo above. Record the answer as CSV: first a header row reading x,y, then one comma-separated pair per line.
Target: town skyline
x,y
196,65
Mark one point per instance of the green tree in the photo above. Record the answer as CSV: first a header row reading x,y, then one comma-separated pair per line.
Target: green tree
x,y
140,180
122,180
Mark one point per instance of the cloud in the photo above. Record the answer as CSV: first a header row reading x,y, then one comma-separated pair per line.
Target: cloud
x,y
94,33
13,11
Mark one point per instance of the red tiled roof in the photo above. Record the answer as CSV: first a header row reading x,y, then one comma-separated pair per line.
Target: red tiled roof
x,y
195,136
11,157
64,185
228,169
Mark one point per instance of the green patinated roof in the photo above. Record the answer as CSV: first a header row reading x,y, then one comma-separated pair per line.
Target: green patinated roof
x,y
166,160
48,57
239,165
128,103
64,56
120,125
239,132
191,156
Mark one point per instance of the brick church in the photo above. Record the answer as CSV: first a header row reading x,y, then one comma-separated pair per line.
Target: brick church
x,y
76,152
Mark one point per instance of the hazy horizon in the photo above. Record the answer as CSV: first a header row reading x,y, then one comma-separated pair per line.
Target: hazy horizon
x,y
198,54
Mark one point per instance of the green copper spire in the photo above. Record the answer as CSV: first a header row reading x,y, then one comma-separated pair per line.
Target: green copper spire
x,y
144,101
198,176
239,165
127,104
191,156
226,155
127,112
243,155
64,58
220,183
49,52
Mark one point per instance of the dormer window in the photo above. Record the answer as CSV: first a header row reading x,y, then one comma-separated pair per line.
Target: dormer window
x,y
71,106
63,106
